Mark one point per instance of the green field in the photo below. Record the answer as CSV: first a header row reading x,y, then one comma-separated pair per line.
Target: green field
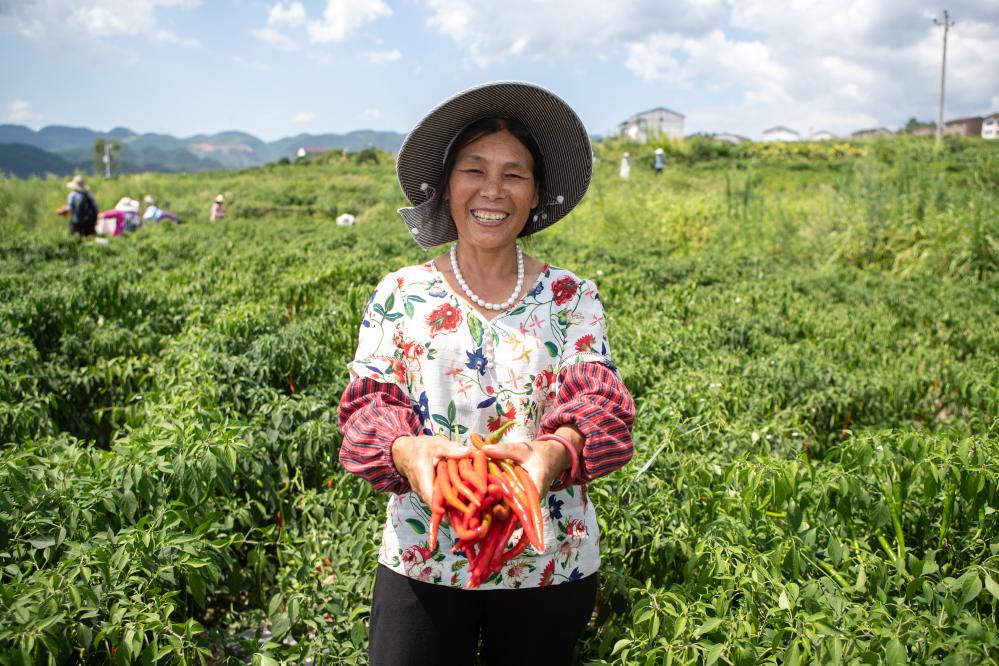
x,y
811,334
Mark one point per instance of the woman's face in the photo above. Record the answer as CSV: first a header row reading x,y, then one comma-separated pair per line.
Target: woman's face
x,y
492,190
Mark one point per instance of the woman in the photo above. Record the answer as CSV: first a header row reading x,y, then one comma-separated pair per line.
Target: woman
x,y
477,337
625,170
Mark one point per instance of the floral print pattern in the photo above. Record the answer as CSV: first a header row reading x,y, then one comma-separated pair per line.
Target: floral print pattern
x,y
466,374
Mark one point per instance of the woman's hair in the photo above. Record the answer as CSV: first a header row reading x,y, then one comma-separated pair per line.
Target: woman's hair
x,y
485,127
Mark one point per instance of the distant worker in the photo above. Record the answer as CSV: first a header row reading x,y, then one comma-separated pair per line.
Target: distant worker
x,y
217,211
154,213
81,208
625,166
660,160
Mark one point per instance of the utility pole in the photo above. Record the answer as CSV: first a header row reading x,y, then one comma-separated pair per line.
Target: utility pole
x,y
107,160
946,23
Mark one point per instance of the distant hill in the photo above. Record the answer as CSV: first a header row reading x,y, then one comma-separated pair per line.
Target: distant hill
x,y
163,152
23,161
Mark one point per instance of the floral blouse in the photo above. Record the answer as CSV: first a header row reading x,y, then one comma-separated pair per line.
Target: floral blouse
x,y
427,362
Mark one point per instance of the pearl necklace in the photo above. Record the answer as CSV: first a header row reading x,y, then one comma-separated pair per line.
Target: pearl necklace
x,y
481,302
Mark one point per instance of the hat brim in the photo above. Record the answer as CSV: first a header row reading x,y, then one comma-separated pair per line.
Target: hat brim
x,y
560,134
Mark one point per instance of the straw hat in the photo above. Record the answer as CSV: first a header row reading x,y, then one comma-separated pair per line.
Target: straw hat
x,y
147,200
127,205
560,134
77,184
219,199
659,151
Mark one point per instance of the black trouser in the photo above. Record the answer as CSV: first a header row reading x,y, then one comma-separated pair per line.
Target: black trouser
x,y
415,623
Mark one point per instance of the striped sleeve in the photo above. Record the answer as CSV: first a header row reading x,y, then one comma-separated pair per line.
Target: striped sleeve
x,y
373,415
593,398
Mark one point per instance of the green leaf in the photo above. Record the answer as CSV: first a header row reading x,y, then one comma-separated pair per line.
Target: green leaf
x,y
42,542
710,625
620,645
418,299
452,412
389,302
417,526
991,586
263,660
475,328
379,310
409,309
712,653
792,656
895,654
782,601
519,310
972,588
442,422
552,348
280,626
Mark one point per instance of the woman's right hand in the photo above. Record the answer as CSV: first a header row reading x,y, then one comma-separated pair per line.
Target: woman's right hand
x,y
415,457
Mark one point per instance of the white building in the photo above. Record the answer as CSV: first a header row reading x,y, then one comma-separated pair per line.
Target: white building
x,y
781,133
822,135
990,126
728,137
654,122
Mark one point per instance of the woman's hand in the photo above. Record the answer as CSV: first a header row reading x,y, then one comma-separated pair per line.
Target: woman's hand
x,y
543,460
416,455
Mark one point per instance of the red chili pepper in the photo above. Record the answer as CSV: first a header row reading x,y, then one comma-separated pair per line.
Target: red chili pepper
x,y
467,473
533,499
516,504
447,491
458,484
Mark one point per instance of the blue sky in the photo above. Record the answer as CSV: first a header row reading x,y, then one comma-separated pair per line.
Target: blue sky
x,y
276,69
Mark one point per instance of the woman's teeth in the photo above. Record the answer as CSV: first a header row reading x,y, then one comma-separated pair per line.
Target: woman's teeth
x,y
489,217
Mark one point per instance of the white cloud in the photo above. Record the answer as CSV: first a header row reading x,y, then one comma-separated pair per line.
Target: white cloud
x,y
384,57
99,19
293,14
492,32
303,117
19,111
372,114
343,16
276,38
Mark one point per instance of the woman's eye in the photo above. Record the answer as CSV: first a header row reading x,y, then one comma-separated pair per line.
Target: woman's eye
x,y
515,175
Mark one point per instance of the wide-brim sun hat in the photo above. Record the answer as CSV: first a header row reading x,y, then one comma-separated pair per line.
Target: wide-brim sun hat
x,y
127,205
76,184
558,131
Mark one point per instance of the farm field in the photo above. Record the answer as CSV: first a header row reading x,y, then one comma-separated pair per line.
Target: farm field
x,y
810,332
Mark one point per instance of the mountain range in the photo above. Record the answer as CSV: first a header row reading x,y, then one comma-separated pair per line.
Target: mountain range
x,y
64,150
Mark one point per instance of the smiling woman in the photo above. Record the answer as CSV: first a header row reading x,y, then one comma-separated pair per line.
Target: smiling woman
x,y
480,338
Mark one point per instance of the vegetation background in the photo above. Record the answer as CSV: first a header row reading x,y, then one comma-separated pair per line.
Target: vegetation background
x,y
811,333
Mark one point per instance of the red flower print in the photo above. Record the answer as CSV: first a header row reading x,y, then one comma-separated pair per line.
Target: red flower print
x,y
399,369
494,422
399,281
548,574
564,289
444,319
544,379
585,343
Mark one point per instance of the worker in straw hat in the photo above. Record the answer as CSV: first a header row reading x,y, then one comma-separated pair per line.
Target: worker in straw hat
x,y
81,208
218,212
478,338
660,161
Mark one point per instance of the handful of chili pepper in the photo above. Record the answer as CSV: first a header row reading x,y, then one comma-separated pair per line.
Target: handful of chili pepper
x,y
485,499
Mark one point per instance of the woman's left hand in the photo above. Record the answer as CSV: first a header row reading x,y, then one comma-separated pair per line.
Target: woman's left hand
x,y
543,460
